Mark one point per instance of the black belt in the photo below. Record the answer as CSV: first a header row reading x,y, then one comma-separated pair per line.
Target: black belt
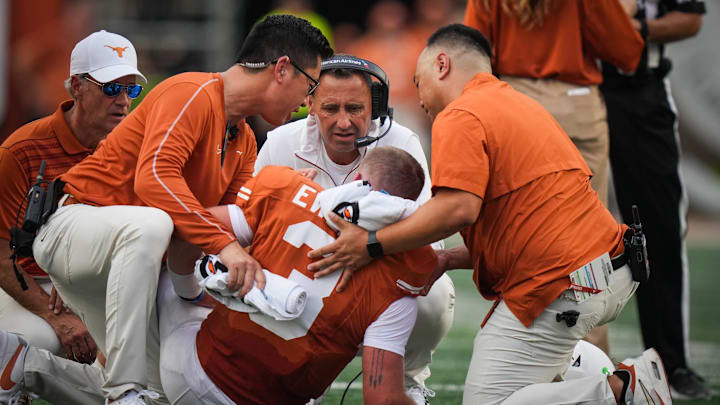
x,y
619,261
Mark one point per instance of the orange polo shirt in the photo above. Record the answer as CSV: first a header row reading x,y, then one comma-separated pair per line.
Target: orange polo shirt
x,y
48,139
540,220
167,154
567,44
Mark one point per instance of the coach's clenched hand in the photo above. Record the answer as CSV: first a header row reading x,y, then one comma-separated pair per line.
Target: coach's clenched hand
x,y
74,337
348,252
243,269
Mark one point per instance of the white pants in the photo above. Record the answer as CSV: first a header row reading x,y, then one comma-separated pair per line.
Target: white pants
x,y
35,330
434,320
63,381
105,262
516,365
183,378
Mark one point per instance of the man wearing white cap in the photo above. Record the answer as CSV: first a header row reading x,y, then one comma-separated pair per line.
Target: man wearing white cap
x,y
102,82
184,148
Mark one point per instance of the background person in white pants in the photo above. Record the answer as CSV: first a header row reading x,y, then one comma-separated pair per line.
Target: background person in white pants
x,y
62,139
185,147
340,112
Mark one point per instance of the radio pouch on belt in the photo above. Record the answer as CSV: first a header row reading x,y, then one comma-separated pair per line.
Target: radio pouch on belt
x,y
41,203
54,192
636,249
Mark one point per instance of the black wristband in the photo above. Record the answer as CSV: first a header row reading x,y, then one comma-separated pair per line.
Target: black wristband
x,y
374,247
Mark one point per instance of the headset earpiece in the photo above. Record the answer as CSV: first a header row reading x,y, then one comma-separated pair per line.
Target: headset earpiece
x,y
379,97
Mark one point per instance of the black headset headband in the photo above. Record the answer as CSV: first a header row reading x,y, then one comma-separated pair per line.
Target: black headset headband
x,y
351,62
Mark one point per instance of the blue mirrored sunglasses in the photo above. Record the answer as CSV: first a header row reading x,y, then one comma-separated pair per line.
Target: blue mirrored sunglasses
x,y
112,89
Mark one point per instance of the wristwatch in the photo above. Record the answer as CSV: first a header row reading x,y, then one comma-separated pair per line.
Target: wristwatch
x,y
374,247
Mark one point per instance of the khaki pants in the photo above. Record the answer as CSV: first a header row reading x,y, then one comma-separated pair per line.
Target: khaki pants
x,y
580,111
105,263
514,364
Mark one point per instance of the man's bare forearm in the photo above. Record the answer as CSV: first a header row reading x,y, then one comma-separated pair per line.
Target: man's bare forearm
x,y
448,212
34,299
674,26
458,258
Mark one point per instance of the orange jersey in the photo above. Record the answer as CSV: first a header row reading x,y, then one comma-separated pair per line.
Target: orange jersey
x,y
540,220
565,47
48,139
167,154
256,360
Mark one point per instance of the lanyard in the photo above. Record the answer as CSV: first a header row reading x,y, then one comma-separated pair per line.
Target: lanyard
x,y
230,134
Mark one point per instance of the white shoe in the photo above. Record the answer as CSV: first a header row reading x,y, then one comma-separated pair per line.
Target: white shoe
x,y
12,360
648,383
420,394
133,397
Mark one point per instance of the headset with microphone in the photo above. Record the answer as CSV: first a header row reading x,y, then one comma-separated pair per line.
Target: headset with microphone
x,y
379,91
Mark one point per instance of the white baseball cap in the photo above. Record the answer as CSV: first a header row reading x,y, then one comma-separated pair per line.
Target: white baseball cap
x,y
105,56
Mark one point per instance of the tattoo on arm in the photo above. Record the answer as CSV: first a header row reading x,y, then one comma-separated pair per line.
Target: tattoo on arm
x,y
378,357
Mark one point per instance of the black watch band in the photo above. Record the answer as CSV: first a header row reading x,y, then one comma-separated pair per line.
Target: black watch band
x,y
374,247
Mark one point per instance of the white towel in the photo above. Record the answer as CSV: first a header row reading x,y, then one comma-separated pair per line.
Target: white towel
x,y
356,202
281,299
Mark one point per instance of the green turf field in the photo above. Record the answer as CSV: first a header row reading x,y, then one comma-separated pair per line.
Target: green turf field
x,y
452,357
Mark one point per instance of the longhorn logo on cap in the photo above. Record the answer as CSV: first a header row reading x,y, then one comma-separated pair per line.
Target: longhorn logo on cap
x,y
118,49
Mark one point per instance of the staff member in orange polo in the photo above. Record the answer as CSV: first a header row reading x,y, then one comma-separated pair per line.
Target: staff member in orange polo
x,y
62,139
548,50
508,178
185,147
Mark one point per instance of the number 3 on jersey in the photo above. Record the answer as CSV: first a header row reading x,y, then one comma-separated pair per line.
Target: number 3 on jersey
x,y
303,233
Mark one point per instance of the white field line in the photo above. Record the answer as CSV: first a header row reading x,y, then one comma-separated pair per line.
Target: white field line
x,y
340,385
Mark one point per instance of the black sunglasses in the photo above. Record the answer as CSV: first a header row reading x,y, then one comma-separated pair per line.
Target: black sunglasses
x,y
112,89
261,65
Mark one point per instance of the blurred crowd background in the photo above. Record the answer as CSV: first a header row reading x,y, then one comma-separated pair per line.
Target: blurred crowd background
x,y
172,36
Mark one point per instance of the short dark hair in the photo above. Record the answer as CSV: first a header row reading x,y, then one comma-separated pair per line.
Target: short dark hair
x,y
282,34
395,171
454,34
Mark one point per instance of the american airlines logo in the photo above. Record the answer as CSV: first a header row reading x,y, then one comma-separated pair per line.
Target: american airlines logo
x,y
358,62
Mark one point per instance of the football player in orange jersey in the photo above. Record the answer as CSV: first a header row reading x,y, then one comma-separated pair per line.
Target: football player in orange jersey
x,y
234,357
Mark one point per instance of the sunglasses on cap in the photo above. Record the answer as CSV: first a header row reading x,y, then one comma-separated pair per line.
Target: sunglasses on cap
x,y
312,86
113,89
